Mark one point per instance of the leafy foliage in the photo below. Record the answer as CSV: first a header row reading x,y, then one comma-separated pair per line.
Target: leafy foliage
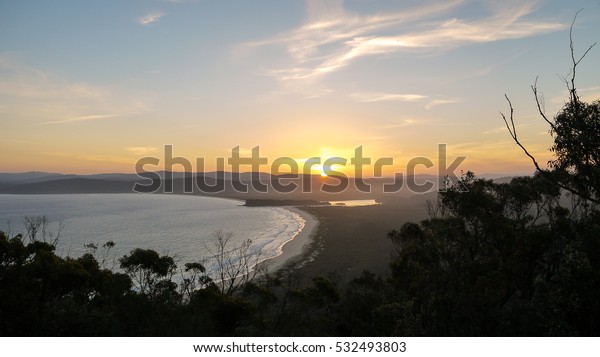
x,y
576,132
495,266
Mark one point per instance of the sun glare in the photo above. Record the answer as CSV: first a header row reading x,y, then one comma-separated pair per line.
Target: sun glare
x,y
320,170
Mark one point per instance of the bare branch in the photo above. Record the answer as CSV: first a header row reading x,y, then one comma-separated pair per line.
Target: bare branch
x,y
513,133
572,190
540,104
233,265
572,89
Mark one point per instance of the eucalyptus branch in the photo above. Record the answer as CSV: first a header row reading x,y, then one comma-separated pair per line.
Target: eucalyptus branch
x,y
574,100
540,104
572,89
513,133
512,130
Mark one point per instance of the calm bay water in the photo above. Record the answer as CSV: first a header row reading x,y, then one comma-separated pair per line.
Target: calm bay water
x,y
180,226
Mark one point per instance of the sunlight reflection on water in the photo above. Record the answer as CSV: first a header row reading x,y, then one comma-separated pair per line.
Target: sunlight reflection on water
x,y
178,225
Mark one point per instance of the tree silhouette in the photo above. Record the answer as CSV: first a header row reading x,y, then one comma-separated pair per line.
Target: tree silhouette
x,y
233,265
148,269
576,133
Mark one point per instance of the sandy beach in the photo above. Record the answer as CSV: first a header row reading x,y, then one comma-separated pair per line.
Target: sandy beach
x,y
349,240
296,247
342,242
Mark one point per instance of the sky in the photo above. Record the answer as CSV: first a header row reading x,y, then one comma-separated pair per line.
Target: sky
x,y
93,86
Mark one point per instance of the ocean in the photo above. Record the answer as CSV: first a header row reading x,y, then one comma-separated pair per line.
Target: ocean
x,y
177,225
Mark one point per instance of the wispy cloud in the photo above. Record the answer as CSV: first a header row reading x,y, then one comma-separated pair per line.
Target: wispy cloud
x,y
150,18
416,121
500,150
333,38
19,80
140,150
79,119
44,98
589,94
586,94
428,102
440,101
385,97
405,123
502,129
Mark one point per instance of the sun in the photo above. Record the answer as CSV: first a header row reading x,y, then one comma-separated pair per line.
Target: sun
x,y
320,170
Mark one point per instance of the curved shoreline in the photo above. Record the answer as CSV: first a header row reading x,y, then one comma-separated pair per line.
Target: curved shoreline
x,y
298,244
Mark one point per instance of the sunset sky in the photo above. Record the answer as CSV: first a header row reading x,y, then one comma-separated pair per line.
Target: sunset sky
x,y
92,86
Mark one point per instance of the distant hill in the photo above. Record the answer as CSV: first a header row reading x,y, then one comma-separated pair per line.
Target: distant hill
x,y
30,177
70,185
37,176
48,183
